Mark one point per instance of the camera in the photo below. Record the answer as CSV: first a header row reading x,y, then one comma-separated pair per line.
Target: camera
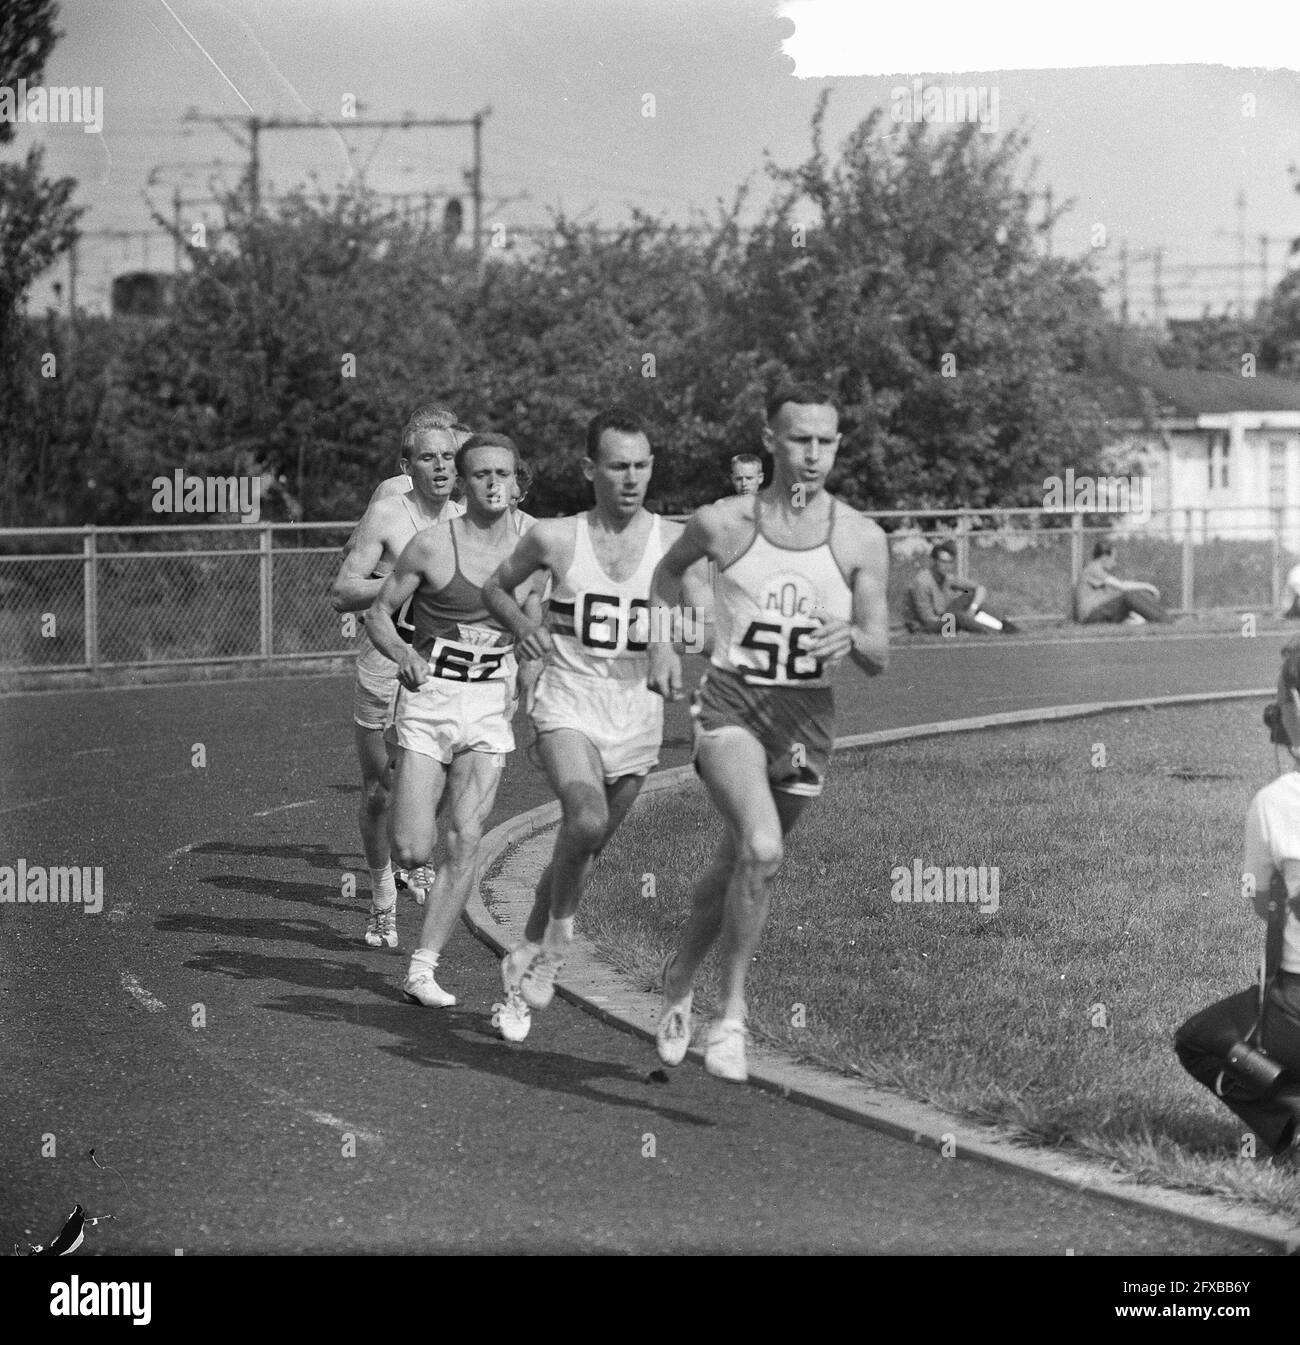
x,y
1253,1067
1273,722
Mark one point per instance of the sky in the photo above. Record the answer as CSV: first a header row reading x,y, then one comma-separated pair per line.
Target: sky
x,y
1158,154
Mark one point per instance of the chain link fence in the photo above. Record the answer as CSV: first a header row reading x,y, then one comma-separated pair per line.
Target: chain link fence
x,y
87,598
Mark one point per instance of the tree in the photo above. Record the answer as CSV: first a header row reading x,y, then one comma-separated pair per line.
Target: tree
x,y
37,225
905,277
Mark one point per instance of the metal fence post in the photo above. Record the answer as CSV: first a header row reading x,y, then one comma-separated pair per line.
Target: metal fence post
x,y
963,545
1275,516
1189,562
90,595
1076,547
267,595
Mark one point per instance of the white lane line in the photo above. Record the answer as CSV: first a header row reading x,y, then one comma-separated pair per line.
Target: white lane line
x,y
284,807
93,751
325,1119
140,994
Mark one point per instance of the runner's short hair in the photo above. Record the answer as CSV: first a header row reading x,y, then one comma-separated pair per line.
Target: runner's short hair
x,y
490,439
801,394
1103,548
747,460
945,548
430,416
620,418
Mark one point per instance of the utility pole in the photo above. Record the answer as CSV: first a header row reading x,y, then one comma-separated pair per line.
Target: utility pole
x,y
476,185
255,126
1241,254
1123,283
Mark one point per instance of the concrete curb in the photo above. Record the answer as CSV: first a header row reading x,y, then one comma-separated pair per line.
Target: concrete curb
x,y
594,986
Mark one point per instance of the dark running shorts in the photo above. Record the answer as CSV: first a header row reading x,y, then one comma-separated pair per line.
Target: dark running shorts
x,y
795,725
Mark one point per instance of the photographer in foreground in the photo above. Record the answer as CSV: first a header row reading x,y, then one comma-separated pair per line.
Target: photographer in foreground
x,y
1246,1049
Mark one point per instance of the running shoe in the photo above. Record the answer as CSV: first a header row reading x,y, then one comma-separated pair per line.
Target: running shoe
x,y
420,881
514,1018
537,983
421,988
381,928
673,1035
724,1055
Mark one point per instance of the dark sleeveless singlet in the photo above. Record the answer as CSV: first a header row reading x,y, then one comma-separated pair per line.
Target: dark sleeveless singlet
x,y
453,629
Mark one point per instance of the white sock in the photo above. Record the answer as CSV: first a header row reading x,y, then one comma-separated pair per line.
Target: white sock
x,y
423,957
383,888
559,934
989,621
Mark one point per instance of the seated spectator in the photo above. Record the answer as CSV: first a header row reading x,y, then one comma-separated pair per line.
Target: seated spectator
x,y
1100,596
936,593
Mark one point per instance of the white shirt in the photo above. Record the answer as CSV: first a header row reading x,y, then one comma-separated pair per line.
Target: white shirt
x,y
1273,845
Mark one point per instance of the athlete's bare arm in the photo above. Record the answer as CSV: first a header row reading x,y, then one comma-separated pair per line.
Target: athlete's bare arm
x,y
356,587
862,550
696,597
427,558
532,559
698,541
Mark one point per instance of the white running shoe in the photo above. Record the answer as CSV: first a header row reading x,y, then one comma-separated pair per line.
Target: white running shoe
x,y
673,1035
514,1018
420,882
724,1055
381,928
537,984
422,988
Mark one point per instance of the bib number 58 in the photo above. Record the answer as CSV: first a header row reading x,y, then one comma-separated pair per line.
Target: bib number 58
x,y
785,652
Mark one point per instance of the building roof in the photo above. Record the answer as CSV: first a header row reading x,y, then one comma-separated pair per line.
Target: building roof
x,y
1134,392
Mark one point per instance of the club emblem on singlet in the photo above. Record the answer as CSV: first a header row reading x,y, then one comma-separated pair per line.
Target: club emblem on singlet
x,y
772,647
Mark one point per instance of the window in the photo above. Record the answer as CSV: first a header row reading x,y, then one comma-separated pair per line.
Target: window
x,y
1217,456
1276,473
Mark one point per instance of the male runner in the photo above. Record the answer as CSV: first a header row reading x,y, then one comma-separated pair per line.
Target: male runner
x,y
800,583
746,474
429,444
457,679
598,727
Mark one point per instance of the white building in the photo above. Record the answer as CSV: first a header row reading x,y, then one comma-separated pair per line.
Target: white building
x,y
1222,452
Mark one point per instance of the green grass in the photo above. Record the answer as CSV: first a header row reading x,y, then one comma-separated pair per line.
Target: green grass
x,y
1117,888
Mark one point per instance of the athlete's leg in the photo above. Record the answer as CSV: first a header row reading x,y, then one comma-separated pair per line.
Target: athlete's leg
x,y
372,813
620,795
572,766
472,781
730,903
418,783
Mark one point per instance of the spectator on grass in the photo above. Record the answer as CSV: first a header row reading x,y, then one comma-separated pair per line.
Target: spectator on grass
x,y
937,593
746,474
1246,1048
1101,596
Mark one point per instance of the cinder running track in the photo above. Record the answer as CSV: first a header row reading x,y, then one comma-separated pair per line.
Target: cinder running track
x,y
314,1111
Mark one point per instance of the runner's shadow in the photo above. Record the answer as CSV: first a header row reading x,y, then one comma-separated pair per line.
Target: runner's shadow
x,y
309,894
464,1039
316,856
316,933
315,973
